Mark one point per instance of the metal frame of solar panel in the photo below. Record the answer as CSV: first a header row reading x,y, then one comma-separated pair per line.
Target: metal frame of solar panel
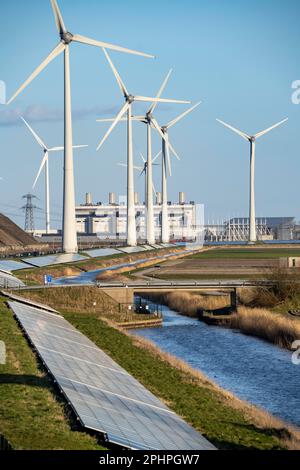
x,y
98,253
103,395
50,260
11,265
132,249
9,281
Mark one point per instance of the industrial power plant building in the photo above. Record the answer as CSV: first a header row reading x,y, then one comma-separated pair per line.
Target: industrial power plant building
x,y
108,221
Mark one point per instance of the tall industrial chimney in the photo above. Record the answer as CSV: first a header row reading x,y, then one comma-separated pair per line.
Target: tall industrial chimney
x,y
112,199
181,198
88,199
158,198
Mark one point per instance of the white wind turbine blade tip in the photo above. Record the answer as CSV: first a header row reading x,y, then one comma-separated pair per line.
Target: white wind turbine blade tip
x,y
260,134
237,131
117,119
106,45
37,138
116,73
163,86
181,116
159,100
142,157
157,156
56,51
40,169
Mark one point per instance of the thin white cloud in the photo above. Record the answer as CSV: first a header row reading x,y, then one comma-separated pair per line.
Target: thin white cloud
x,y
37,113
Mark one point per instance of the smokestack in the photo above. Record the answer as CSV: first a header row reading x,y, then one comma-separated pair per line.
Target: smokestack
x,y
112,199
181,198
88,199
158,198
136,198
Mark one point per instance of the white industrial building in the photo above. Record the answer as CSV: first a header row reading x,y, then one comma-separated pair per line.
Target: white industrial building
x,y
108,221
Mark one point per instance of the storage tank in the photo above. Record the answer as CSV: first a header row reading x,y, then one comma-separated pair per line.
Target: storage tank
x,y
88,199
112,199
181,198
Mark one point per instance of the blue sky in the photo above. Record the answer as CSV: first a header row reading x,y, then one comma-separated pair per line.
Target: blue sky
x,y
239,57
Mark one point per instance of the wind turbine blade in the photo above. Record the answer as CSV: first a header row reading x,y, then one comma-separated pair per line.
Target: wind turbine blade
x,y
56,149
58,50
168,156
117,119
240,133
40,169
58,18
116,74
165,137
154,189
260,134
37,138
106,45
156,156
159,100
181,116
122,164
153,106
133,118
80,146
142,157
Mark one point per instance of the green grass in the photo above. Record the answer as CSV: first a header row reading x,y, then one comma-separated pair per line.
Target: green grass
x,y
250,253
203,408
32,415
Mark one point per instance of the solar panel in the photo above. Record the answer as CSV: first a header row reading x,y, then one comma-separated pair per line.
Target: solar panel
x,y
10,265
43,261
102,252
147,247
132,249
103,395
27,301
8,281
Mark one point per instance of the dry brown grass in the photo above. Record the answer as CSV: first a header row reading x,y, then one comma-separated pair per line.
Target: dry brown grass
x,y
190,304
288,435
273,327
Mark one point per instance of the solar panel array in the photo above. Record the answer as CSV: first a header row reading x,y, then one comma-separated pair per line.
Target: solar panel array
x,y
103,395
8,281
98,253
11,265
43,261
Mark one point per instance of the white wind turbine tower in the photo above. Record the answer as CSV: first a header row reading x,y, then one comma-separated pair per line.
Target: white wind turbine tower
x,y
127,108
151,122
252,139
69,243
166,162
45,163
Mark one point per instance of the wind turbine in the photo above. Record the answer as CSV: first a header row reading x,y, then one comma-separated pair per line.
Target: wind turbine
x,y
252,139
69,243
127,108
143,171
166,162
45,163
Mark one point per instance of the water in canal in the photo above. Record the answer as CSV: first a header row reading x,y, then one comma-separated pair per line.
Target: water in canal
x,y
252,369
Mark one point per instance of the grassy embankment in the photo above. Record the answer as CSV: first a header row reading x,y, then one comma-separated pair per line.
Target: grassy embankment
x,y
86,299
225,420
35,276
32,414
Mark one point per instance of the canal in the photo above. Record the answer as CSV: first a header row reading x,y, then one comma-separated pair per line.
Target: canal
x,y
252,369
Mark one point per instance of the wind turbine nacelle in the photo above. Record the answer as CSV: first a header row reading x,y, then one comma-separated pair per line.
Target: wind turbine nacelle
x,y
67,37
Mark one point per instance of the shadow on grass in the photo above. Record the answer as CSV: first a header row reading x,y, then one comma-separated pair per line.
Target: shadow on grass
x,y
31,380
